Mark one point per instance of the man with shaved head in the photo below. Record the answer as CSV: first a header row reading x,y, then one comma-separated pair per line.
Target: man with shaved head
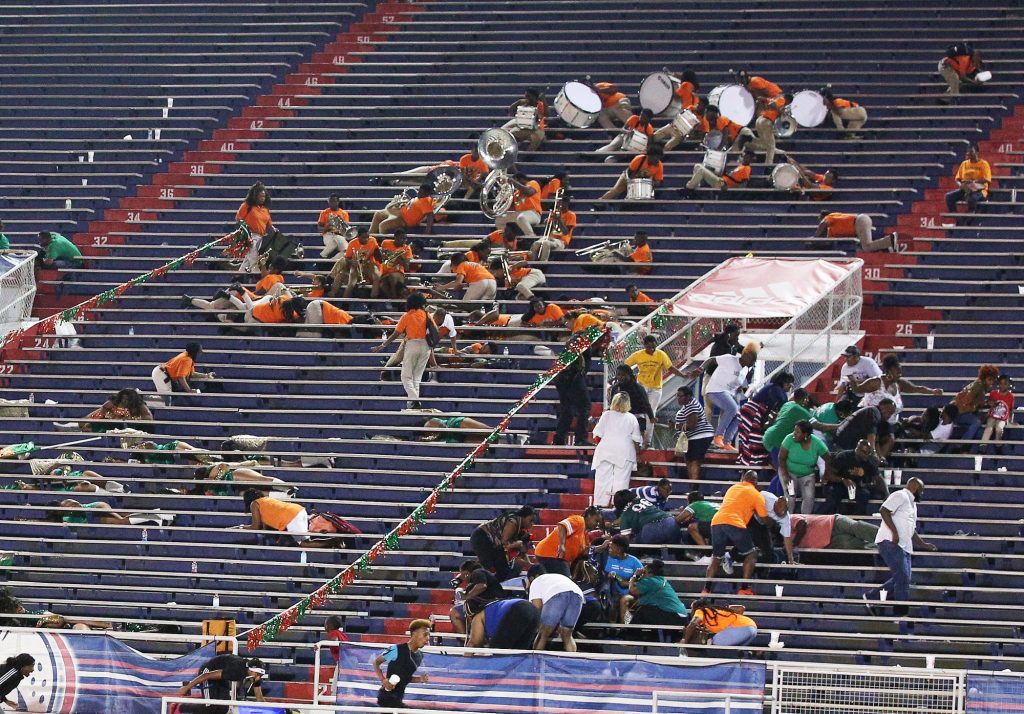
x,y
896,540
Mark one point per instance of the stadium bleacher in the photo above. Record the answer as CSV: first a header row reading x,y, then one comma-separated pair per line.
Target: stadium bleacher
x,y
320,98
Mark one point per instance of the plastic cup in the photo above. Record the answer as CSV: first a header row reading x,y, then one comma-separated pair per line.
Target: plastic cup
x,y
81,159
792,487
897,476
85,182
165,111
67,204
394,679
774,641
883,595
156,134
930,339
778,593
170,102
92,155
851,491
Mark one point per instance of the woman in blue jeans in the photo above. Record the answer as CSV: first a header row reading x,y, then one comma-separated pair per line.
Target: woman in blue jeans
x,y
969,400
731,375
725,627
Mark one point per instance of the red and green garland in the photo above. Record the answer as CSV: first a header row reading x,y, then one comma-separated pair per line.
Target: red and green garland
x,y
272,628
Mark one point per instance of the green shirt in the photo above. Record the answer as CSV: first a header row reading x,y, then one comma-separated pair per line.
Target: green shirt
x,y
638,514
656,591
826,414
4,243
789,415
61,248
702,511
803,462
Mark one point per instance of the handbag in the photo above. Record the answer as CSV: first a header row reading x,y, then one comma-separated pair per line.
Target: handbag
x,y
682,444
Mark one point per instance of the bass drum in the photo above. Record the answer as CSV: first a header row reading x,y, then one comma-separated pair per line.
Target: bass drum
x,y
578,104
785,177
658,93
734,102
808,108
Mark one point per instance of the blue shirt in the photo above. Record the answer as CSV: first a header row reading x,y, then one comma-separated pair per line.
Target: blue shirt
x,y
623,568
650,493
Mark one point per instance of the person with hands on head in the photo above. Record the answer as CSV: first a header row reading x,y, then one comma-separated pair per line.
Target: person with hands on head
x,y
13,671
402,662
896,539
225,676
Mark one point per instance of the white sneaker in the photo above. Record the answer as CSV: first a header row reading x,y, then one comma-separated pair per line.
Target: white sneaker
x,y
704,560
727,564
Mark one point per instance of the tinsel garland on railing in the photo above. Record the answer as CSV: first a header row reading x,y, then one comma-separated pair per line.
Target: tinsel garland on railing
x,y
272,628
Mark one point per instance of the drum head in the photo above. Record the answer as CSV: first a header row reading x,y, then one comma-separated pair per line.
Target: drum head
x,y
785,177
582,96
734,102
808,108
656,92
713,140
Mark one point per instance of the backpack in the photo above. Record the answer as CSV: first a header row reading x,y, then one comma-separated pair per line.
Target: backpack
x,y
433,334
278,244
332,527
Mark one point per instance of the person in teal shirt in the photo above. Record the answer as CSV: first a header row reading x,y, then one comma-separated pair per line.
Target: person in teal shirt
x,y
643,521
59,251
4,243
831,414
656,600
798,463
791,412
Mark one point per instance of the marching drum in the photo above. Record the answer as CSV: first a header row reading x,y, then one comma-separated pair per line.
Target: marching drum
x,y
983,76
734,102
785,177
808,108
634,142
785,125
578,104
685,121
526,118
640,189
713,140
715,160
658,93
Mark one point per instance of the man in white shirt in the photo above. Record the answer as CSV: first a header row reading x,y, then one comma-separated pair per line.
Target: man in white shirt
x,y
560,602
778,511
857,369
896,539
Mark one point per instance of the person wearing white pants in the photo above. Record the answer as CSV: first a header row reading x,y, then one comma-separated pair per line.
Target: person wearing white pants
x,y
615,458
413,326
478,280
333,222
173,375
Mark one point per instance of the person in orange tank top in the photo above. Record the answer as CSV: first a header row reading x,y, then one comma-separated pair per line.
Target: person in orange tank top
x,y
398,214
533,130
255,213
637,131
846,115
859,226
615,106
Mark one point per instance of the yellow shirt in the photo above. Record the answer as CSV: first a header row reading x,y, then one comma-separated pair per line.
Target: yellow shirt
x,y
978,171
650,367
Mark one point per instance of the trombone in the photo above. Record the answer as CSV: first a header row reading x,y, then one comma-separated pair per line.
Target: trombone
x,y
555,226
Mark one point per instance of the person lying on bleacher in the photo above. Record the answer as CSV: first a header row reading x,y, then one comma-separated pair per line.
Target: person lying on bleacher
x,y
846,115
853,471
43,619
815,186
271,282
255,213
230,473
66,479
446,429
160,453
273,514
276,310
640,123
959,66
227,677
69,510
321,312
734,179
616,107
933,426
407,215
528,128
126,405
174,374
333,223
725,627
833,531
859,226
973,177
57,252
649,165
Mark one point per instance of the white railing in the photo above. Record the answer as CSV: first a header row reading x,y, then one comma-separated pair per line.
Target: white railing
x,y
17,288
663,702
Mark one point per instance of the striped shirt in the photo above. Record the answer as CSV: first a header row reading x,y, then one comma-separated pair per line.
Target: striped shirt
x,y
650,493
10,678
702,429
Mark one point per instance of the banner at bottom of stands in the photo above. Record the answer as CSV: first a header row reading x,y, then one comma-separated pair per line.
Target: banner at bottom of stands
x,y
988,693
95,674
546,683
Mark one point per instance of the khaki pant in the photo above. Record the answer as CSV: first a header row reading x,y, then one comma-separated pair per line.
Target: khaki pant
x,y
414,362
461,244
669,136
864,228
533,279
533,137
702,174
763,138
481,290
851,118
542,248
952,78
333,243
618,189
619,112
526,220
161,382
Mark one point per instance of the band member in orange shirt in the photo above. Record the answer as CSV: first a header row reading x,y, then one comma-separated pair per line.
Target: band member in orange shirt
x,y
647,165
407,215
759,87
688,101
479,281
534,131
523,279
413,327
527,208
277,310
559,179
562,225
395,256
734,179
174,374
641,304
846,115
714,121
638,123
474,171
321,312
615,106
848,225
959,66
817,187
359,264
764,141
333,224
255,213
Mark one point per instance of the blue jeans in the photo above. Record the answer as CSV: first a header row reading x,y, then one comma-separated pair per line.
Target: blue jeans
x,y
971,198
969,426
728,424
735,636
661,532
899,563
562,610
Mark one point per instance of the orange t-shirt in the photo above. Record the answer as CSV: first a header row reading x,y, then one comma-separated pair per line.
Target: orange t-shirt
x,y
609,94
551,188
496,237
632,123
269,281
529,203
728,128
687,94
472,272
519,273
366,249
761,87
584,321
416,211
825,191
256,217
843,103
327,213
724,619
640,162
276,514
334,315
841,225
389,246
477,168
740,503
641,297
642,254
575,540
316,292
774,108
552,313
569,220
739,175
502,320
962,64
180,366
271,311
413,324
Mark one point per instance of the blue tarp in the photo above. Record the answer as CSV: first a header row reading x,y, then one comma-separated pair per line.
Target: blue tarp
x,y
988,693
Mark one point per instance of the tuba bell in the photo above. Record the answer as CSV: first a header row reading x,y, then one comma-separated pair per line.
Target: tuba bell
x,y
498,149
444,182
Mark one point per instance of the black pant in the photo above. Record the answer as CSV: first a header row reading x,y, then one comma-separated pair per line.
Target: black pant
x,y
555,565
650,615
518,629
491,556
573,402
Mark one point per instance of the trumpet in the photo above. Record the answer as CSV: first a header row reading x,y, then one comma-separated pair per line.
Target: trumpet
x,y
391,257
498,149
606,249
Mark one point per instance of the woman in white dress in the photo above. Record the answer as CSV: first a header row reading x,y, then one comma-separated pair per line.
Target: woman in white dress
x,y
615,455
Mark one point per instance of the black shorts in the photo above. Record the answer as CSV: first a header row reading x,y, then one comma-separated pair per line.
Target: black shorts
x,y
723,536
697,448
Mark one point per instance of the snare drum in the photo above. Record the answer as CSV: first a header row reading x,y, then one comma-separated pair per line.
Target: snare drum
x,y
734,102
640,189
808,108
658,93
715,160
634,142
684,122
983,76
785,177
578,104
526,118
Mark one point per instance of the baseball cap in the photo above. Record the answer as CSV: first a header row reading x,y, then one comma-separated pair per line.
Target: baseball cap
x,y
852,351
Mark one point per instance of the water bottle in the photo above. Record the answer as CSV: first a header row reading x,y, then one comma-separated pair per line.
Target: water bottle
x,y
216,600
505,351
131,330
195,567
32,397
145,535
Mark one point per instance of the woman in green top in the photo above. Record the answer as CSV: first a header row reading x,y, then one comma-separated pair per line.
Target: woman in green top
x,y
798,464
655,601
789,414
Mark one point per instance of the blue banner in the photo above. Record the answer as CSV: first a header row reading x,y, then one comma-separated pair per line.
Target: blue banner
x,y
548,682
987,693
95,674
